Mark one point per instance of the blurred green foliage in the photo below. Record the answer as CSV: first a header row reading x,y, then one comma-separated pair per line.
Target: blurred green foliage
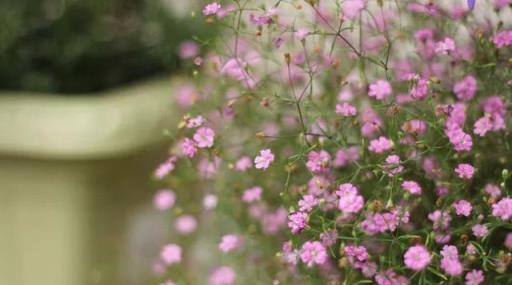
x,y
79,46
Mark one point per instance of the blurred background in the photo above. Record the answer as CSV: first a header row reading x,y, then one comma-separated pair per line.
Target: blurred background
x,y
86,91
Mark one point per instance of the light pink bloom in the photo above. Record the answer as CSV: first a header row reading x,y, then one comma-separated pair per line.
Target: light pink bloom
x,y
346,109
243,164
204,137
503,39
165,168
313,252
462,208
210,201
466,88
164,199
223,275
445,46
352,8
503,209
171,254
186,224
264,159
493,190
465,171
380,145
393,165
417,258
301,34
389,277
318,162
349,199
474,277
380,89
195,122
307,203
480,230
450,262
297,221
483,125
252,194
211,9
412,187
229,242
188,147
188,49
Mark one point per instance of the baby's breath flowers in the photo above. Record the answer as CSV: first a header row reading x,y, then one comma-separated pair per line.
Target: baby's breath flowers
x,y
344,142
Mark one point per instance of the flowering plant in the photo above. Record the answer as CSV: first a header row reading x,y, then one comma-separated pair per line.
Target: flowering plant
x,y
352,141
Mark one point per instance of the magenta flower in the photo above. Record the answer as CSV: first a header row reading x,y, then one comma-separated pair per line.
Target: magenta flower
x,y
465,171
412,187
474,277
483,125
171,254
480,230
307,203
188,147
211,9
462,208
389,277
204,137
297,221
417,258
503,39
313,252
450,262
349,199
380,89
352,8
380,145
164,199
264,159
445,46
392,165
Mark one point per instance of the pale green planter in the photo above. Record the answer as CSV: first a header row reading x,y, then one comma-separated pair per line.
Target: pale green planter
x,y
74,179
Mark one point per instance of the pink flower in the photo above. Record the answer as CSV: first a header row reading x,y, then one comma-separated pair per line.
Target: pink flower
x,y
301,34
380,145
356,253
243,164
466,88
380,90
164,199
460,140
445,46
493,190
211,9
503,39
188,147
412,187
264,160
223,275
465,171
210,202
508,241
313,252
346,110
415,127
318,162
204,137
503,209
392,165
229,243
483,125
450,262
186,224
195,122
297,222
474,277
462,208
165,168
389,277
252,194
419,89
480,230
345,156
349,199
168,282
188,49
417,258
352,8
307,203
171,254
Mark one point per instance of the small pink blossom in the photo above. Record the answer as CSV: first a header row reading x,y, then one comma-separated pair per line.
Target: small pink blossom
x,y
465,171
195,122
252,194
204,137
166,167
223,275
171,254
417,258
474,277
264,159
389,277
450,262
345,109
503,39
229,243
210,202
352,8
480,230
188,49
380,145
297,221
307,203
318,162
211,9
445,46
313,252
164,199
483,125
186,224
462,208
493,190
393,165
503,209
188,147
380,89
349,199
301,34
412,187
466,88
243,164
